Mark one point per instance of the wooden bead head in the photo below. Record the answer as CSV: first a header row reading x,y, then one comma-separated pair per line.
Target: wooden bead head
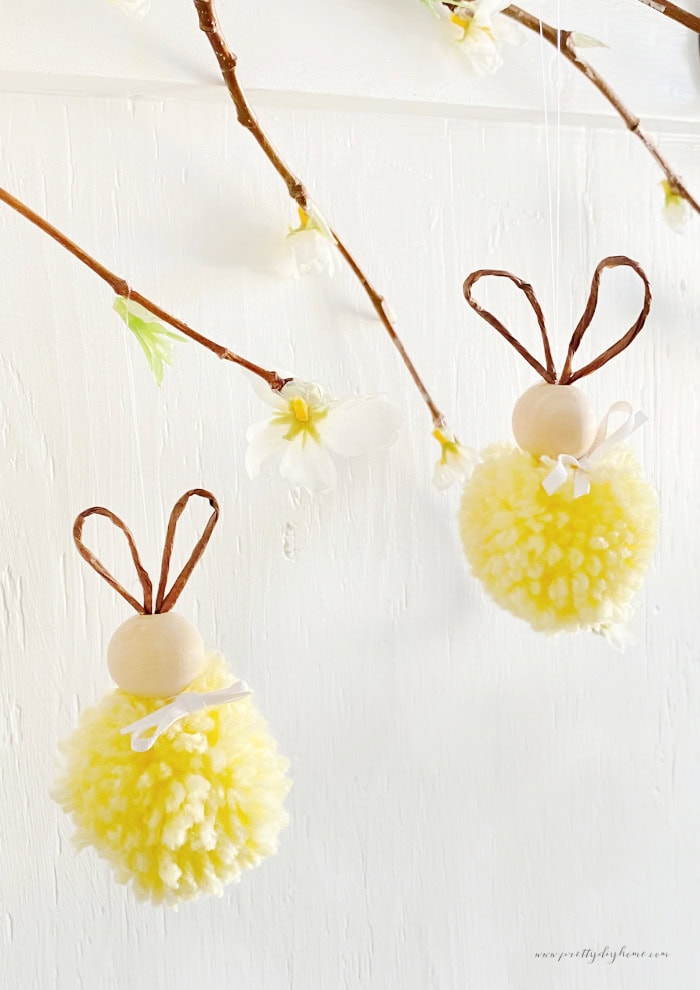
x,y
156,653
554,417
155,656
549,420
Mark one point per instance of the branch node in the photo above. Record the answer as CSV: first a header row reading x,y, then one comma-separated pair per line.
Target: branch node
x,y
295,188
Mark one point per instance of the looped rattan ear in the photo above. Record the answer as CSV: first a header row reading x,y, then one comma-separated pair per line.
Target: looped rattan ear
x,y
97,565
568,376
165,602
548,373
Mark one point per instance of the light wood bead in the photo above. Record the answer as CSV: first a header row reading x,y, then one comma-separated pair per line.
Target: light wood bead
x,y
155,656
549,420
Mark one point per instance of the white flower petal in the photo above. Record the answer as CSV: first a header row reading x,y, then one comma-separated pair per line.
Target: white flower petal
x,y
310,253
265,440
283,263
312,393
508,32
135,8
361,424
443,476
485,10
677,214
481,51
317,219
456,462
578,40
270,396
465,462
305,463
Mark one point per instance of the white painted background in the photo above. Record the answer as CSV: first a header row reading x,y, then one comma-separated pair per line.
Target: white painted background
x,y
466,792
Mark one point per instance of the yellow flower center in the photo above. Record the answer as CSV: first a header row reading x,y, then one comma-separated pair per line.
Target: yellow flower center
x,y
671,197
466,23
301,419
448,446
300,408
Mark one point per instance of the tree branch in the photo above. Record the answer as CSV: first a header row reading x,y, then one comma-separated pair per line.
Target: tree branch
x,y
676,13
296,189
561,40
121,287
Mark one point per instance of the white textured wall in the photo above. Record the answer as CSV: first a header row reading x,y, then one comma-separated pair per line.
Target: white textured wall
x,y
466,792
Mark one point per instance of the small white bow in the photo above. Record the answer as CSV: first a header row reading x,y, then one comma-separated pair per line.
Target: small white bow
x,y
600,446
183,704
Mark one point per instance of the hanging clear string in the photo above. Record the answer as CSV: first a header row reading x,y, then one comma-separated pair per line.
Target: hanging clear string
x,y
128,349
558,173
553,184
137,432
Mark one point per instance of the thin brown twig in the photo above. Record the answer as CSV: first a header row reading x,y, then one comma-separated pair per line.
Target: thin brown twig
x,y
676,13
562,41
122,288
227,63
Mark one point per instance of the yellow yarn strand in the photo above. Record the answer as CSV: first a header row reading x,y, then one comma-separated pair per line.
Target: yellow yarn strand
x,y
557,562
188,816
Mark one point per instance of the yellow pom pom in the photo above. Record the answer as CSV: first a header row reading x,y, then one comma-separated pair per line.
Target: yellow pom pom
x,y
189,815
559,563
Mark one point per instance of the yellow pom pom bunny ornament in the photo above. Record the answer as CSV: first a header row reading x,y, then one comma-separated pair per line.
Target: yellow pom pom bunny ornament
x,y
173,778
560,529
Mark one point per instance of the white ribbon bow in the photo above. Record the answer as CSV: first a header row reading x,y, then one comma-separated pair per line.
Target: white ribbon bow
x,y
186,703
600,446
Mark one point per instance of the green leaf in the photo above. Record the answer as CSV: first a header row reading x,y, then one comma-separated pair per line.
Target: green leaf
x,y
153,337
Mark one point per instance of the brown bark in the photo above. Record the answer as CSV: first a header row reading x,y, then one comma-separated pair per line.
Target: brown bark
x,y
122,288
561,40
676,13
227,64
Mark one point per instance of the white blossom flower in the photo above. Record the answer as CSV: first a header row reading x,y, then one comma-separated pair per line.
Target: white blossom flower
x,y
308,423
310,246
135,8
676,209
481,32
456,462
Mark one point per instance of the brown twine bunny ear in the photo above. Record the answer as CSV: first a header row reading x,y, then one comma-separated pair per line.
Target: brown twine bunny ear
x,y
163,602
568,377
96,565
549,373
